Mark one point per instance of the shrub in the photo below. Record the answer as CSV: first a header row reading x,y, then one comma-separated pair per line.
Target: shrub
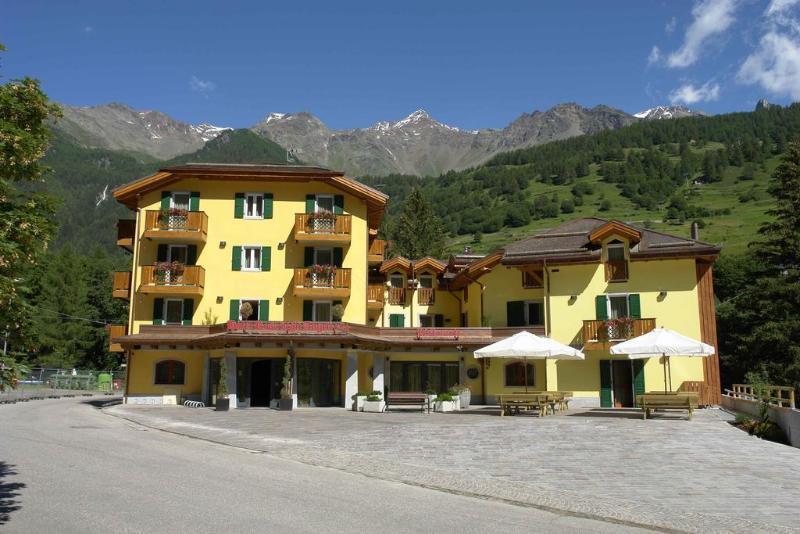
x,y
444,397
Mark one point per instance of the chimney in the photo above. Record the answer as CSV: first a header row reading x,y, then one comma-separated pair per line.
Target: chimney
x,y
695,231
467,250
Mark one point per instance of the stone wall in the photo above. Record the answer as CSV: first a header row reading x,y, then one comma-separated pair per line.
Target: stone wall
x,y
786,418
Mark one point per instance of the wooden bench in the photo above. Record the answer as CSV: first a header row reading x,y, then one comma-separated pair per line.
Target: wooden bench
x,y
396,398
688,401
514,402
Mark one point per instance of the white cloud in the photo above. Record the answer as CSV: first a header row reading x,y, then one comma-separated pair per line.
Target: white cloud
x,y
670,26
201,86
654,56
711,17
777,7
689,94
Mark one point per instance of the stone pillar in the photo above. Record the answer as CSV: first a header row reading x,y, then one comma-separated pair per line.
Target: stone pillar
x,y
551,371
378,372
350,377
204,396
230,364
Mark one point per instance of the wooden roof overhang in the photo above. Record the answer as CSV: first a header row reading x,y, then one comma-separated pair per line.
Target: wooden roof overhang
x,y
429,263
475,270
398,263
615,227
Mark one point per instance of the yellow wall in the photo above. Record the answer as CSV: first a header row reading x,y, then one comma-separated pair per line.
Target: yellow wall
x,y
142,367
217,201
502,284
444,303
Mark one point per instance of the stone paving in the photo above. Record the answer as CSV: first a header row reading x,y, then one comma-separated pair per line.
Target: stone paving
x,y
666,473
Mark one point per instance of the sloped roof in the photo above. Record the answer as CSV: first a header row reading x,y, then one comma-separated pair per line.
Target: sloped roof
x,y
129,193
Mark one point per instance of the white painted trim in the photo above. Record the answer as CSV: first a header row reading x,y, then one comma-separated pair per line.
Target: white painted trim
x,y
166,302
323,195
314,310
243,255
253,217
532,301
172,198
257,310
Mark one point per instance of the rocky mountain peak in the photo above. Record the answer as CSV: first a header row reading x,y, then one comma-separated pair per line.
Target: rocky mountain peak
x,y
762,104
667,112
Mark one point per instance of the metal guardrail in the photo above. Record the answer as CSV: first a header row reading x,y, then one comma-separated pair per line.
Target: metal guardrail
x,y
43,383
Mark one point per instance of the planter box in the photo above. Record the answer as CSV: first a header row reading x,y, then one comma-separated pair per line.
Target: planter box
x,y
465,397
358,403
286,404
446,406
374,406
222,405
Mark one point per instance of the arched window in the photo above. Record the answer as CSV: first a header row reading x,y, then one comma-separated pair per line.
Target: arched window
x,y
170,372
515,375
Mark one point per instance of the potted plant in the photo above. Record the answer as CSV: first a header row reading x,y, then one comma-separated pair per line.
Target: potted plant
x,y
445,402
287,401
464,395
358,401
337,312
223,403
374,402
432,394
245,311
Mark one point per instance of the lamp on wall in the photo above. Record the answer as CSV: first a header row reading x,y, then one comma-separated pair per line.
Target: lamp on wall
x,y
279,301
662,295
573,299
222,244
219,300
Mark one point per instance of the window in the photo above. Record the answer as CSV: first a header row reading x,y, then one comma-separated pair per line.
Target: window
x,y
322,311
170,372
516,373
427,320
618,306
534,313
323,256
248,309
421,376
324,203
177,253
616,263
180,200
251,258
254,206
615,251
174,313
426,281
532,279
396,280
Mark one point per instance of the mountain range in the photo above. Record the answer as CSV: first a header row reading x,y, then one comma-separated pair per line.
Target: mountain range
x,y
416,145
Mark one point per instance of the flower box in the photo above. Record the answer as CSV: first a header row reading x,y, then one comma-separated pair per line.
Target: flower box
x,y
377,406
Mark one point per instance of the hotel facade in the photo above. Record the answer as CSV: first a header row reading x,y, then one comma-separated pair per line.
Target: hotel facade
x,y
244,264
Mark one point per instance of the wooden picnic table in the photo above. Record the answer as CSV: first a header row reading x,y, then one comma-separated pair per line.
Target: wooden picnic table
x,y
539,400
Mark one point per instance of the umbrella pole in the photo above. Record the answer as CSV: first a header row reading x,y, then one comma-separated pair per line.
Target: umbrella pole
x,y
525,364
669,367
664,365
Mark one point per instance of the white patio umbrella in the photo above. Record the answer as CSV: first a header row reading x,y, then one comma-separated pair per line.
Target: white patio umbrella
x,y
662,342
524,345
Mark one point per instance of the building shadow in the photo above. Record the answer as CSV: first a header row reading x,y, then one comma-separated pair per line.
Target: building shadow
x,y
9,493
609,413
102,403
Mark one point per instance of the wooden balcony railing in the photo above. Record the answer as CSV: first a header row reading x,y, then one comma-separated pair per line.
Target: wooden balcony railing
x,y
122,285
326,226
616,271
310,284
375,296
397,296
126,228
377,251
184,280
115,331
189,226
426,296
601,333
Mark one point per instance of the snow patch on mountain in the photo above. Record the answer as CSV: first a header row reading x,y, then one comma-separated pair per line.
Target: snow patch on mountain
x,y
208,131
667,112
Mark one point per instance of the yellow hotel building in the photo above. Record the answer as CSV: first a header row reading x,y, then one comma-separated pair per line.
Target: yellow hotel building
x,y
244,264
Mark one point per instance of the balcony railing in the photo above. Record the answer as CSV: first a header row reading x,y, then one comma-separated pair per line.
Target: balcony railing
x,y
173,280
122,285
426,296
126,228
177,226
377,251
115,331
375,296
616,271
397,296
599,334
321,283
325,226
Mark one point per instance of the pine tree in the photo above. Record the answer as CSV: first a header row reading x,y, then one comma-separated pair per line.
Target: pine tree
x,y
417,232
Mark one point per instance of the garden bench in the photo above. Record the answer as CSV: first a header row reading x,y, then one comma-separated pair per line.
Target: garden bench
x,y
514,402
408,399
688,401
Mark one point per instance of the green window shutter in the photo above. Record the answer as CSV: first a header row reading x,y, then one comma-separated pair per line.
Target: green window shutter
x,y
338,204
267,205
438,320
158,311
238,206
266,258
194,201
236,258
515,313
161,252
638,378
634,306
601,307
166,198
308,310
311,203
308,257
605,383
263,310
188,311
338,254
335,302
234,310
191,255
397,320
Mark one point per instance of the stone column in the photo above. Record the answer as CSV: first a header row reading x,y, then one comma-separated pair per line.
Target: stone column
x,y
350,377
204,396
378,372
230,364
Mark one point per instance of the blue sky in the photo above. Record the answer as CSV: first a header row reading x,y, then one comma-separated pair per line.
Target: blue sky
x,y
471,65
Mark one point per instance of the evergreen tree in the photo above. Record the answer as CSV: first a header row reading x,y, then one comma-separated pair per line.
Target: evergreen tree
x,y
417,232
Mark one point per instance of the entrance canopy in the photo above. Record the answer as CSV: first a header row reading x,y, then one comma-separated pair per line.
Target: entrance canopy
x,y
527,345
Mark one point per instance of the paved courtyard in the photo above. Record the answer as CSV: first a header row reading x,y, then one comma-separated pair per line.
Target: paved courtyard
x,y
701,475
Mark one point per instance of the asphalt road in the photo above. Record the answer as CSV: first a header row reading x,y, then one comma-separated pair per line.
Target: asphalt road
x,y
65,466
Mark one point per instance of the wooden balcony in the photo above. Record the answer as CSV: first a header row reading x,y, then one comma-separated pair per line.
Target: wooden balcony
x,y
397,296
322,228
601,334
320,286
616,271
115,331
426,296
187,280
377,251
126,228
191,227
122,285
375,296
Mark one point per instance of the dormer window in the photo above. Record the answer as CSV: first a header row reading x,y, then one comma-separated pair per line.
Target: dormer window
x,y
616,262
